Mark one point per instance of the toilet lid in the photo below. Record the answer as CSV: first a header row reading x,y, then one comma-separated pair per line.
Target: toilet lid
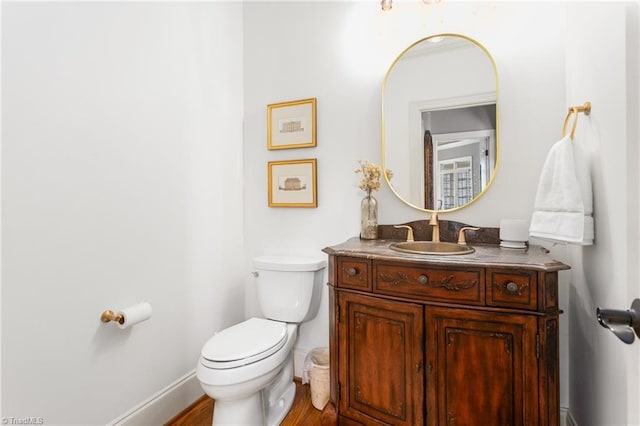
x,y
244,343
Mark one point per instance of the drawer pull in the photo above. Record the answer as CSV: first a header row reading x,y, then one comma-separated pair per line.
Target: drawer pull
x,y
423,279
510,288
352,272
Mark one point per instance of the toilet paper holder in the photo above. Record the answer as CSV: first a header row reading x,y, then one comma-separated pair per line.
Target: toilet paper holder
x,y
621,323
129,316
109,315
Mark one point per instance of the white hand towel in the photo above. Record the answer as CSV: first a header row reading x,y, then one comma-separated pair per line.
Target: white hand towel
x,y
564,201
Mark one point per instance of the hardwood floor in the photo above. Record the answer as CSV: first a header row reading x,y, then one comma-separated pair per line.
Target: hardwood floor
x,y
200,413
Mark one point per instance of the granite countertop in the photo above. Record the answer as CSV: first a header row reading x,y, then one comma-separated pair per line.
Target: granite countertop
x,y
532,257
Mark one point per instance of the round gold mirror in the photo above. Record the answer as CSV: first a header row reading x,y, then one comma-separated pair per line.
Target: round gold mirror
x,y
440,122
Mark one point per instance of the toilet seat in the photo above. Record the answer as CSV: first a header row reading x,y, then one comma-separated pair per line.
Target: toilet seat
x,y
244,343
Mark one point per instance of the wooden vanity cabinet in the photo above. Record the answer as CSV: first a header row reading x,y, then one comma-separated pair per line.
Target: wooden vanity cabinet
x,y
425,343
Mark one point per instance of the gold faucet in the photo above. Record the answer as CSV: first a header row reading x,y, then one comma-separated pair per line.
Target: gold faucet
x,y
409,231
461,236
435,230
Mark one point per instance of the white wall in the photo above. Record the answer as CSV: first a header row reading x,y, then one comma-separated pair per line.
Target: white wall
x,y
339,52
121,182
633,391
604,371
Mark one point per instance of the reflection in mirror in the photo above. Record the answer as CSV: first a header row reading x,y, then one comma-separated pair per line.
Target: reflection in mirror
x,y
439,129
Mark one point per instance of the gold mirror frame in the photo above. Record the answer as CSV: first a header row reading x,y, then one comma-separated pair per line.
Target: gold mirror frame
x,y
497,121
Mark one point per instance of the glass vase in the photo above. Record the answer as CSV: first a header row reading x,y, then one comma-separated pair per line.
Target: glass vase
x,y
369,218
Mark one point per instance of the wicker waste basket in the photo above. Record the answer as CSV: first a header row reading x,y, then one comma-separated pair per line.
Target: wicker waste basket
x,y
316,372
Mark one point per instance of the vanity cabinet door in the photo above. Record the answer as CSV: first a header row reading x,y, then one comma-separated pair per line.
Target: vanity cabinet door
x,y
381,375
481,368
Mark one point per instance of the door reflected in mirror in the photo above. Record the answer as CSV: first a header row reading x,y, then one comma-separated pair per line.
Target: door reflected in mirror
x,y
440,122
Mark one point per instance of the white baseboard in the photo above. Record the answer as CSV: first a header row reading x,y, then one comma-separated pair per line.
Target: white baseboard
x,y
179,395
163,405
566,419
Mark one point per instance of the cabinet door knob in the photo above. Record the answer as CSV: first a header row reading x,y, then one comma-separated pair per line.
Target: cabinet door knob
x,y
512,287
352,272
423,279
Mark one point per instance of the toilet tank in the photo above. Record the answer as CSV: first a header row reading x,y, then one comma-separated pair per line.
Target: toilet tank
x,y
289,288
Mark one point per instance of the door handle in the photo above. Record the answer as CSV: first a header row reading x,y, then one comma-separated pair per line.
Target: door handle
x,y
621,323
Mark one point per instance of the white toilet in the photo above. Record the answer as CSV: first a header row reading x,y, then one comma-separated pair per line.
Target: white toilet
x,y
248,368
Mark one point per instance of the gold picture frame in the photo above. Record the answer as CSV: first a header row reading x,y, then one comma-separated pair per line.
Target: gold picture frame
x,y
291,124
292,183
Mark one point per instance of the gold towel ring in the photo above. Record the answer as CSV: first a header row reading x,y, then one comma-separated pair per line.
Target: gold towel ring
x,y
586,109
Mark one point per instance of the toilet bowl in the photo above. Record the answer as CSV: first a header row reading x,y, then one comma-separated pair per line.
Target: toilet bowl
x,y
248,368
235,378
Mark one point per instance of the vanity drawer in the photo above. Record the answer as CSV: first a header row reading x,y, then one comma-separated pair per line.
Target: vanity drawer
x,y
446,285
512,289
354,273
